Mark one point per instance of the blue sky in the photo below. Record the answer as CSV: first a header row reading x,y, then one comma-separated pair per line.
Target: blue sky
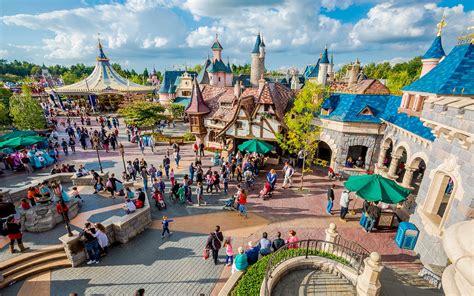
x,y
168,34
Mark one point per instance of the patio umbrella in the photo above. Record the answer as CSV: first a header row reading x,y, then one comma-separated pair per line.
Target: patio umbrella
x,y
17,134
255,145
21,142
377,188
7,150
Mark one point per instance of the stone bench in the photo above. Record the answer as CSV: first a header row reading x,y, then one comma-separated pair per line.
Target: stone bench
x,y
42,218
87,180
231,283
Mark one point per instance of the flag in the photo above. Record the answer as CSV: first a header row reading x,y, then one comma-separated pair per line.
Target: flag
x,y
92,101
51,97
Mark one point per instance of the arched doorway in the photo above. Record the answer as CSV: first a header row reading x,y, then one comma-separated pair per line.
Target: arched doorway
x,y
414,173
387,158
324,152
356,156
398,164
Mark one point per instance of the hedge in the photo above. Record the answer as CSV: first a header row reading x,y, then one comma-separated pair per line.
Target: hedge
x,y
251,281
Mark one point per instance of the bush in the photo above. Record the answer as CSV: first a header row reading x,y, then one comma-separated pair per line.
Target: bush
x,y
189,137
251,282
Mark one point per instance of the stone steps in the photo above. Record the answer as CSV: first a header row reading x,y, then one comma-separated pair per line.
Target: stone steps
x,y
32,263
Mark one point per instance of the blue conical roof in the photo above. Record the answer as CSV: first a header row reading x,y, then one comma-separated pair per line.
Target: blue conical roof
x,y
436,50
324,58
256,48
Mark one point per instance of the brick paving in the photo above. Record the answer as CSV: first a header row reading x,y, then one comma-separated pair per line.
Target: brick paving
x,y
175,266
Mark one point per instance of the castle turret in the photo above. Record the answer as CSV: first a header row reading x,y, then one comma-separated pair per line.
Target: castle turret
x,y
323,67
196,111
331,68
435,53
257,67
354,70
216,50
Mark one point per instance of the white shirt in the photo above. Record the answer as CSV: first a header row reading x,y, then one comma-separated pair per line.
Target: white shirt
x,y
102,238
344,202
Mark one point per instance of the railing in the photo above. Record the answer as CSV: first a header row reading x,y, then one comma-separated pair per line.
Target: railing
x,y
345,252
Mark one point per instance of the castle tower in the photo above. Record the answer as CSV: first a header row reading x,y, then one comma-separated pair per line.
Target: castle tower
x,y
257,67
435,53
354,73
331,68
196,111
216,50
323,67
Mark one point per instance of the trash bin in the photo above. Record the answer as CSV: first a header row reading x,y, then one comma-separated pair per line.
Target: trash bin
x,y
407,235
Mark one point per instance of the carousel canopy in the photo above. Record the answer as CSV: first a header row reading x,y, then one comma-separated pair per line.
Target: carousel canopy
x,y
103,80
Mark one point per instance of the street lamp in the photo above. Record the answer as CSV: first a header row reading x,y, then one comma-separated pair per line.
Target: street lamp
x,y
122,153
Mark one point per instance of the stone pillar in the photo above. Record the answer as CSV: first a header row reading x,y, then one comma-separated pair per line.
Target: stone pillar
x,y
383,151
368,283
331,235
74,248
408,177
392,170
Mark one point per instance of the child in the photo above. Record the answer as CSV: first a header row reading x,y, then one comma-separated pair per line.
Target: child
x,y
75,193
25,205
229,253
172,177
129,193
199,194
165,222
225,178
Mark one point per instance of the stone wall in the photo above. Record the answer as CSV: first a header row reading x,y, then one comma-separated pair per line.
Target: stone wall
x,y
42,218
451,155
342,142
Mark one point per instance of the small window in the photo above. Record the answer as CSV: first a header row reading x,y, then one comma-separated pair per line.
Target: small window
x,y
238,124
266,108
366,111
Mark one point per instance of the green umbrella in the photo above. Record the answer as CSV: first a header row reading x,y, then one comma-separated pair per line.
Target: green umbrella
x,y
17,134
377,188
21,142
7,150
255,145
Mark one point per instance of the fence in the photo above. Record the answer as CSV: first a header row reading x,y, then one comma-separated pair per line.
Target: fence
x,y
342,251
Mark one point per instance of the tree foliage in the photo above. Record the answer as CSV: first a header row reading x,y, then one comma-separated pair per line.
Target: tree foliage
x,y
301,132
176,110
142,113
398,75
26,112
240,69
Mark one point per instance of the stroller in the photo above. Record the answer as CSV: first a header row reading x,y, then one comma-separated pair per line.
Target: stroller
x,y
159,200
266,192
230,204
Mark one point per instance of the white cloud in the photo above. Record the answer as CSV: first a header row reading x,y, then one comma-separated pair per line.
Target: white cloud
x,y
121,26
3,53
333,4
154,42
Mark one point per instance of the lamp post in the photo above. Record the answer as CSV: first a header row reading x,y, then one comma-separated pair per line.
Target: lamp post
x,y
122,153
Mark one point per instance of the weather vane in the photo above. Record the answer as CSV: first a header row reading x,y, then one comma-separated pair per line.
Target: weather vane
x,y
441,24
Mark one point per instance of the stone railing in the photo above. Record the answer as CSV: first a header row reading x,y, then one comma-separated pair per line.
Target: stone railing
x,y
118,230
16,194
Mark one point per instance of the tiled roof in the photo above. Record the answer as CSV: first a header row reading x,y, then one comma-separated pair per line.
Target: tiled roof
x,y
245,78
277,94
435,51
348,107
313,71
169,79
454,75
412,124
218,66
224,113
256,48
182,101
216,45
197,104
368,86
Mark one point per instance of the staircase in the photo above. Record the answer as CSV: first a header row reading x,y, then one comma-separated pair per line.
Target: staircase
x,y
32,263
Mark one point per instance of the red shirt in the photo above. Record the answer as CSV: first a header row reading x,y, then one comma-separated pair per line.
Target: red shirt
x,y
242,199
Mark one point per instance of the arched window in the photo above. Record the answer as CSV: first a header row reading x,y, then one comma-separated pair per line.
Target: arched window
x,y
440,195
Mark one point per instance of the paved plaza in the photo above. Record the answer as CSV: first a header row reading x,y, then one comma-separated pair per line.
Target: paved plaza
x,y
174,266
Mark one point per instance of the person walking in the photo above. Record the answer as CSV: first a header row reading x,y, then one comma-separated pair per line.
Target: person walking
x,y
214,243
229,252
242,203
14,234
201,149
192,170
144,175
166,166
330,196
288,173
200,193
131,171
72,144
344,203
166,222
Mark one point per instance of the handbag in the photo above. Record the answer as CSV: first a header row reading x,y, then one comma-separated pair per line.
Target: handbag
x,y
205,255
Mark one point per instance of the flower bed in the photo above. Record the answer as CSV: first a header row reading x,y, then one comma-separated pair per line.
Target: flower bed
x,y
250,283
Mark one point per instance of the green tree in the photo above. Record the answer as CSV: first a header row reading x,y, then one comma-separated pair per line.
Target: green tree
x,y
142,113
197,68
397,80
301,133
145,73
176,110
26,112
69,77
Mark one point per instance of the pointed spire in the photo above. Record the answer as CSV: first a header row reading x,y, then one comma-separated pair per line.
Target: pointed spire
x,y
101,56
324,57
216,45
258,41
197,104
261,42
332,59
441,25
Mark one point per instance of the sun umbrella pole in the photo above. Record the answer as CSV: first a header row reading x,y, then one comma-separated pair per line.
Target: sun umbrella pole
x,y
353,205
302,171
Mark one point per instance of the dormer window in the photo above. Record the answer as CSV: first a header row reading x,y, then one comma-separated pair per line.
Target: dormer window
x,y
366,111
326,111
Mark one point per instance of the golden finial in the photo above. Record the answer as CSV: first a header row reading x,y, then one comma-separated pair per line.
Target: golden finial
x,y
441,25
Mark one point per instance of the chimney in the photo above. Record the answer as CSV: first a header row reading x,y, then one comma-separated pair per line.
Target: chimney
x,y
237,89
